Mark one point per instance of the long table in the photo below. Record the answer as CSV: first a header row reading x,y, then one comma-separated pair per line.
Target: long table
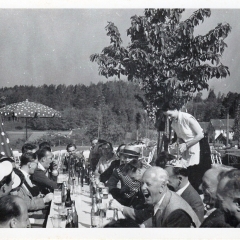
x,y
83,204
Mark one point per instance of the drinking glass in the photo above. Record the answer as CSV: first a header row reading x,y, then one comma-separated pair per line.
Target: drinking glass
x,y
57,198
56,221
103,209
62,210
105,192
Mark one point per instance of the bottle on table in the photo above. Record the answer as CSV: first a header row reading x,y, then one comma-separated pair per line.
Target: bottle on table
x,y
87,175
74,214
69,223
93,187
68,201
94,214
98,196
115,214
64,192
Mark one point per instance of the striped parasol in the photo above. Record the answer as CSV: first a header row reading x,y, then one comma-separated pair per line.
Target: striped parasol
x,y
28,109
5,149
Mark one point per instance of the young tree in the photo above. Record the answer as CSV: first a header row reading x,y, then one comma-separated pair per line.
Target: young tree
x,y
165,56
236,127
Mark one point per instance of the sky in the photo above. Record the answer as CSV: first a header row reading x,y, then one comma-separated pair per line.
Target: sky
x,y
53,46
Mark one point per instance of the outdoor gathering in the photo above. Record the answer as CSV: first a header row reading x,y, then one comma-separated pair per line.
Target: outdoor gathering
x,y
119,118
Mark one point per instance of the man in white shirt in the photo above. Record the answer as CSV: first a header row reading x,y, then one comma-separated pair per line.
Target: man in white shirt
x,y
178,182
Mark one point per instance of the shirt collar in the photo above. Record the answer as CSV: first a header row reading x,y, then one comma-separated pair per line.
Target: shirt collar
x,y
40,166
181,190
26,175
156,207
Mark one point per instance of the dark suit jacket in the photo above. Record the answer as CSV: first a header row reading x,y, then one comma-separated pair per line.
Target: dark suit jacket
x,y
215,220
191,196
44,183
108,173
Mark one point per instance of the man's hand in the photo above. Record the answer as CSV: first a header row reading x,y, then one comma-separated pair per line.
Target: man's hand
x,y
55,164
116,205
48,198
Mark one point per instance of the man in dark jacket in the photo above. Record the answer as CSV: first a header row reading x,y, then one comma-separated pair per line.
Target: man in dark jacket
x,y
41,177
178,181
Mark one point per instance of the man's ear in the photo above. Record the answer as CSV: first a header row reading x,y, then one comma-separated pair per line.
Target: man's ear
x,y
13,223
3,188
162,187
180,178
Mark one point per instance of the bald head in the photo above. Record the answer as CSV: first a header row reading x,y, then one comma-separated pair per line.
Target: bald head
x,y
157,174
154,184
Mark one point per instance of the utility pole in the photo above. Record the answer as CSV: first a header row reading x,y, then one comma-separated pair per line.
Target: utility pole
x,y
227,127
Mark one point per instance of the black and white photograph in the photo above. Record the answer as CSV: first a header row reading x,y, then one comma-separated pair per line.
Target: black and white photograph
x,y
119,117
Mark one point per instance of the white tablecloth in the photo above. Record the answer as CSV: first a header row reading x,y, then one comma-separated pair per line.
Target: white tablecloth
x,y
83,204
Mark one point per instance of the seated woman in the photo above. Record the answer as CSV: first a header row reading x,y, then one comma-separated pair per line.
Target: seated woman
x,y
108,156
129,188
115,164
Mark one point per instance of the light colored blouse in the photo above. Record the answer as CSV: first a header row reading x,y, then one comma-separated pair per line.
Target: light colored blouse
x,y
184,131
104,163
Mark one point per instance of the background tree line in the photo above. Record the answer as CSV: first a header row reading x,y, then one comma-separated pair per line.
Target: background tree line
x,y
106,110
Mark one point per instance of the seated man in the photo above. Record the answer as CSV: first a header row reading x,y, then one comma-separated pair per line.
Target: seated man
x,y
8,178
29,147
13,212
41,177
28,191
209,185
170,210
129,188
228,194
178,181
73,160
54,165
108,156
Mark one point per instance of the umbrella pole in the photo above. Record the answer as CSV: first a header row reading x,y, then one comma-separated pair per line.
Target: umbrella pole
x,y
26,129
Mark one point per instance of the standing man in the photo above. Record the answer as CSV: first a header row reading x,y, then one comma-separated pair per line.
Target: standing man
x,y
13,212
178,181
41,177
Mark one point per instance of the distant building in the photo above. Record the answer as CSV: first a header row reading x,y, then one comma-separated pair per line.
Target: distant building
x,y
204,126
219,126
